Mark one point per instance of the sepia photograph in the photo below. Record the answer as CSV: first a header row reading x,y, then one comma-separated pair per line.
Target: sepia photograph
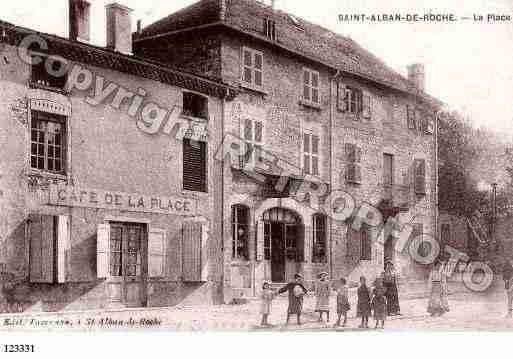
x,y
242,166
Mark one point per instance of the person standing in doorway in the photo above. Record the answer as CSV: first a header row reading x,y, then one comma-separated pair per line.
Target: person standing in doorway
x,y
391,292
507,275
322,295
296,291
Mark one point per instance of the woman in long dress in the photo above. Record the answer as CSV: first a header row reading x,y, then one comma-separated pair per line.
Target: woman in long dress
x,y
438,302
296,291
322,294
391,292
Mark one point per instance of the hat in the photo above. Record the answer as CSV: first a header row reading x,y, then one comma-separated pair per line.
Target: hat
x,y
298,276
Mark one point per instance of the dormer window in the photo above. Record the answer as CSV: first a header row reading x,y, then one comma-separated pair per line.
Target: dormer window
x,y
48,73
195,105
270,29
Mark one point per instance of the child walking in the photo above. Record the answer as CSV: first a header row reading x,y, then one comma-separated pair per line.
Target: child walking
x,y
322,294
363,308
267,298
379,304
342,302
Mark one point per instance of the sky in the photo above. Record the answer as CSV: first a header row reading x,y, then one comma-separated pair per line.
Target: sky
x,y
469,64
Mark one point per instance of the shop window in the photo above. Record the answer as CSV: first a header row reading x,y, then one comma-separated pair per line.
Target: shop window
x,y
240,232
48,139
319,238
195,166
195,105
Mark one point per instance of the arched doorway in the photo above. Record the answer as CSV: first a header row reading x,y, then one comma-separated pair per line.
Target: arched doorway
x,y
283,240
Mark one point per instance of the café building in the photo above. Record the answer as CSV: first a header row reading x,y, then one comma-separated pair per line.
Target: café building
x,y
108,190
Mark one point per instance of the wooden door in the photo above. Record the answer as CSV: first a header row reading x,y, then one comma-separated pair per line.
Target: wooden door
x,y
277,253
128,264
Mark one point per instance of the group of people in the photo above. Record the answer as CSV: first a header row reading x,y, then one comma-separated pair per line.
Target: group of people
x,y
381,300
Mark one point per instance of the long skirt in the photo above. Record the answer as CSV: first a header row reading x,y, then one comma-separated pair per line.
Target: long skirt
x,y
392,296
322,304
295,305
438,302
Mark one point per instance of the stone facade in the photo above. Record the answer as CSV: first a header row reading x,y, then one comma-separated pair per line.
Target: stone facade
x,y
105,151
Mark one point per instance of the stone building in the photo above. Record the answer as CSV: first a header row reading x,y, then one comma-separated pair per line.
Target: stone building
x,y
108,186
330,112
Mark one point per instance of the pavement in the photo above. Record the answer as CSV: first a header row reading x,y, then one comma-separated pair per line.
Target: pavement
x,y
469,311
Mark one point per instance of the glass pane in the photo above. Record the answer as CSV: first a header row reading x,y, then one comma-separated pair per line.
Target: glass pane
x,y
247,75
33,149
306,165
306,77
248,130
258,131
247,58
306,142
258,61
33,135
258,78
315,95
315,80
33,162
58,165
315,165
306,92
315,144
41,163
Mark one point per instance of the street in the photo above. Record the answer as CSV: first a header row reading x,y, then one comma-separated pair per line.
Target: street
x,y
469,311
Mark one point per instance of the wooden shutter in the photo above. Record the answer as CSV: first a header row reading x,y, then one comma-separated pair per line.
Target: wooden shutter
x,y
63,247
156,252
341,97
42,239
430,126
366,105
191,251
194,166
103,250
419,171
260,241
410,115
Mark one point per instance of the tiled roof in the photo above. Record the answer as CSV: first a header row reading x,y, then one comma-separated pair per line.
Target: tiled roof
x,y
310,40
105,58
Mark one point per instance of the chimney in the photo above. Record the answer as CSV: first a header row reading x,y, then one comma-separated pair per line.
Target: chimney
x,y
417,75
79,24
119,28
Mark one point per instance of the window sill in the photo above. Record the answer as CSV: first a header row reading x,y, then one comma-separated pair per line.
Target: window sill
x,y
253,88
194,118
47,175
194,194
354,183
310,104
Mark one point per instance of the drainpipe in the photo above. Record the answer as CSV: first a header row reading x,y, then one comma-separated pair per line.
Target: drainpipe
x,y
436,176
332,84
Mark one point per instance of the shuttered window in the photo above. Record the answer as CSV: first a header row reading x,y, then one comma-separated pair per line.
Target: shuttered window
x,y
366,245
195,166
311,86
252,68
253,135
270,29
388,169
49,247
419,169
193,252
311,154
410,115
156,252
353,160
